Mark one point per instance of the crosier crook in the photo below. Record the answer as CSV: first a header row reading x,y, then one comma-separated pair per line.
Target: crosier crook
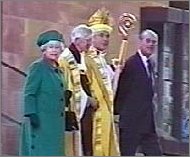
x,y
126,23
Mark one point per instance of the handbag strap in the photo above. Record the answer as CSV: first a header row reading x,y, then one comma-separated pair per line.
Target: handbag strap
x,y
68,95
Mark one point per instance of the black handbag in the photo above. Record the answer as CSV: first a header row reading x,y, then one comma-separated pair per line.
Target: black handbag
x,y
71,123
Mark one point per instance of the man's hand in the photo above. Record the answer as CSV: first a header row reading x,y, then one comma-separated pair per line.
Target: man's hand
x,y
93,103
117,64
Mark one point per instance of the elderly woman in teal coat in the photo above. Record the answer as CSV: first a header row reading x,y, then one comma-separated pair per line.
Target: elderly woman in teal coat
x,y
44,101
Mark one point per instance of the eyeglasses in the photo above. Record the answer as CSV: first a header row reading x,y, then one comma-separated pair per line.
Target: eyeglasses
x,y
148,41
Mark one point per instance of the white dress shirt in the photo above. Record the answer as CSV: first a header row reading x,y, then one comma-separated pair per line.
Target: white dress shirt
x,y
144,60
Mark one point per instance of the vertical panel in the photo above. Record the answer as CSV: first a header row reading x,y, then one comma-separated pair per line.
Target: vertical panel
x,y
167,75
185,84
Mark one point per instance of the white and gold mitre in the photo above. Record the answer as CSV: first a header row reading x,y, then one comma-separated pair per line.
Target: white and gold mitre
x,y
101,21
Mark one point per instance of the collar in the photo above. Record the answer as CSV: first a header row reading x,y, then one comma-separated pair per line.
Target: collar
x,y
144,58
54,67
75,53
94,51
79,57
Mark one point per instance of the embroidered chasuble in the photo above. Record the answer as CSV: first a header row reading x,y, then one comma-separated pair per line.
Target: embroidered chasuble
x,y
105,142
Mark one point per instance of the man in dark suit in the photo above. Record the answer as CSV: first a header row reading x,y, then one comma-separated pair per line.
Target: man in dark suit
x,y
133,100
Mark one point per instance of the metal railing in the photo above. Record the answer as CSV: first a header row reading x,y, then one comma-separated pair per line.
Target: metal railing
x,y
9,118
4,115
13,68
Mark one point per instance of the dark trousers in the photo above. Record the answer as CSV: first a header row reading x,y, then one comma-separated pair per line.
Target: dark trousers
x,y
86,131
129,142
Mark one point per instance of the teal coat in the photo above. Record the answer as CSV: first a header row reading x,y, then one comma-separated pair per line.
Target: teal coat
x,y
44,95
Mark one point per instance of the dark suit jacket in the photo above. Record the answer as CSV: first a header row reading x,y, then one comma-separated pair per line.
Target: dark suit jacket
x,y
133,100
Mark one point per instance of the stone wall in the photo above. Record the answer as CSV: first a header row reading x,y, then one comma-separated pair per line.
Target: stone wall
x,y
22,21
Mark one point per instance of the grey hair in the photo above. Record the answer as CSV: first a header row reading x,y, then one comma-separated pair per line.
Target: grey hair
x,y
148,32
80,31
44,47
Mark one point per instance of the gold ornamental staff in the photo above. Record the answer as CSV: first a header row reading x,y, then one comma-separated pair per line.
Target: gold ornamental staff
x,y
126,23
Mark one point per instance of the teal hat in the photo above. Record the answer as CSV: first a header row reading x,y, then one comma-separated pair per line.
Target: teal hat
x,y
49,35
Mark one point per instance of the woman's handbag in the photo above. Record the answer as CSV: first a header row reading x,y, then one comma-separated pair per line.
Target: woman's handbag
x,y
71,123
